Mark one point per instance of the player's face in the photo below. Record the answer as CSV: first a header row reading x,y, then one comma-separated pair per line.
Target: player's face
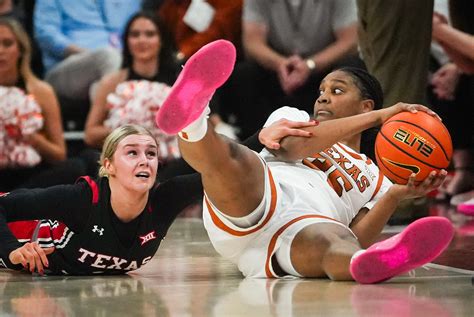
x,y
9,49
144,40
135,163
339,97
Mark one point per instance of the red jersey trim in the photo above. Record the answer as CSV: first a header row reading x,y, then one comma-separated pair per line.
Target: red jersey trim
x,y
95,188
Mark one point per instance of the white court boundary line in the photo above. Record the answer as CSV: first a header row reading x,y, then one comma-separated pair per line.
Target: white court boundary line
x,y
448,268
393,229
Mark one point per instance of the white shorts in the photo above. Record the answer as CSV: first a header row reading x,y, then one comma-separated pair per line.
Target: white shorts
x,y
285,214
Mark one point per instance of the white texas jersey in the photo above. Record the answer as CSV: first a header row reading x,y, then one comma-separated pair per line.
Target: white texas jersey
x,y
337,182
331,186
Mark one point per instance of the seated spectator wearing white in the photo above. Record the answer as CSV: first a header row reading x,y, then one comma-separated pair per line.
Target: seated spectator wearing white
x,y
80,40
32,147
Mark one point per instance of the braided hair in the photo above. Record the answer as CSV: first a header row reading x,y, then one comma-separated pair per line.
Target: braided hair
x,y
368,85
369,88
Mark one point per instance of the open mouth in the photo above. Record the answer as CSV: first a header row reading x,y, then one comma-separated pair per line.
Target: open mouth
x,y
144,175
323,113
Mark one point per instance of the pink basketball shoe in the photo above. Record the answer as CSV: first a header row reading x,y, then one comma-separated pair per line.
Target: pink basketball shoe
x,y
202,74
467,207
420,243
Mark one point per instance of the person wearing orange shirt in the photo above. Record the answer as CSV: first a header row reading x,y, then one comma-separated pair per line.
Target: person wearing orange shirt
x,y
217,19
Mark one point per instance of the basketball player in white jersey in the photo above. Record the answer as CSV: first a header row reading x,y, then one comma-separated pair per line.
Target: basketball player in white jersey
x,y
308,207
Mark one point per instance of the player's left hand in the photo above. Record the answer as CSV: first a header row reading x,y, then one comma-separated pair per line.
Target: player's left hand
x,y
271,136
387,113
410,190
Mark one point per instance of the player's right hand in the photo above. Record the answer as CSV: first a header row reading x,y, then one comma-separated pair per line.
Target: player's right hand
x,y
31,256
410,190
271,136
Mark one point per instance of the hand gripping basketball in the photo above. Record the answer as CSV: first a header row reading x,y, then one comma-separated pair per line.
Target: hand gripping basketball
x,y
415,142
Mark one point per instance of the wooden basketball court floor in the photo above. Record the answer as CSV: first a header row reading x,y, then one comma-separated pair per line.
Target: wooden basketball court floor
x,y
188,278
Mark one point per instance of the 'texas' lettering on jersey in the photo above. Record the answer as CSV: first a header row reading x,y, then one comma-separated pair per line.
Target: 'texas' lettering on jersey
x,y
335,174
103,261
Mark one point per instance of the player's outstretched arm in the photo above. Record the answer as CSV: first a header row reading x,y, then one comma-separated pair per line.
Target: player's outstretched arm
x,y
330,132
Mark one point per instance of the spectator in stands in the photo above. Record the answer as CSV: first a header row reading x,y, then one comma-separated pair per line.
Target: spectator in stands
x,y
194,24
79,41
291,46
32,147
396,55
458,42
134,93
9,10
446,92
22,11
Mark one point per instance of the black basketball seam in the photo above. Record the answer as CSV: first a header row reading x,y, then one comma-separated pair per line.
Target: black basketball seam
x,y
403,151
383,163
440,145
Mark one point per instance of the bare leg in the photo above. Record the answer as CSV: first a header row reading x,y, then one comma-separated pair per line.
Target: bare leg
x,y
324,250
232,175
327,249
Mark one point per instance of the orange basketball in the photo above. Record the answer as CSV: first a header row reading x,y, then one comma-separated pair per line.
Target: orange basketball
x,y
412,143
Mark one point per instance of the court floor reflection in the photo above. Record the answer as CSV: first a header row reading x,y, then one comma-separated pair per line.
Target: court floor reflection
x,y
74,296
188,278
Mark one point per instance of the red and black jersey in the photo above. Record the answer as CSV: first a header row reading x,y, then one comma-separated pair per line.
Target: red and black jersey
x,y
86,233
